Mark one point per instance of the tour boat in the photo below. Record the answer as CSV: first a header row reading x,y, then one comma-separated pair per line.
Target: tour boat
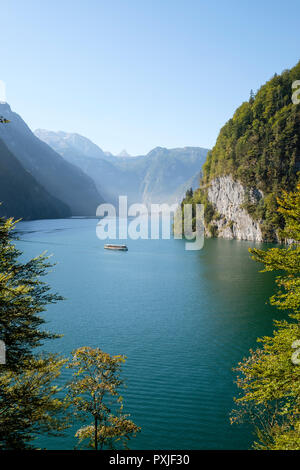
x,y
116,247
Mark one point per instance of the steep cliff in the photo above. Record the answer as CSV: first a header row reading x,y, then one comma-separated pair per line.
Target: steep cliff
x,y
231,218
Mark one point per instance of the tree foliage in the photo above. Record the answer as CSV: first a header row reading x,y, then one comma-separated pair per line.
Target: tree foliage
x,y
269,380
95,393
29,402
23,297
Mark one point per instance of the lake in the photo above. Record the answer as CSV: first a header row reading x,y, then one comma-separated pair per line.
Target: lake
x,y
183,319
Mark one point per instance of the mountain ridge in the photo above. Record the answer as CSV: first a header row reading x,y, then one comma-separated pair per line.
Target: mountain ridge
x,y
59,178
21,195
158,177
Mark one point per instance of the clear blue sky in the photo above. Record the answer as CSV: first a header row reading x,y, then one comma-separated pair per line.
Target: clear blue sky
x,y
136,74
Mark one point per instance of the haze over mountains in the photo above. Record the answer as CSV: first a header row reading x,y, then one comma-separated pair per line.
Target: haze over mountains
x,y
163,175
58,174
124,153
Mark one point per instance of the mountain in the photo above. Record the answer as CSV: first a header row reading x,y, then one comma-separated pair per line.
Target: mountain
x,y
168,171
160,176
87,156
191,183
256,158
123,154
69,143
59,178
21,195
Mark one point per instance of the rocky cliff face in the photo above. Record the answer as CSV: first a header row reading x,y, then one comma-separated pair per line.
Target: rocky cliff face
x,y
231,220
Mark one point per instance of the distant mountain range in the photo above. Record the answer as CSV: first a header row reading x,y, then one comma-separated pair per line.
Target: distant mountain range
x,y
71,145
163,175
124,153
57,174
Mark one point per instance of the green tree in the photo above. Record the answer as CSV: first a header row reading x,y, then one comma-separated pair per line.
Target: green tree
x,y
189,193
23,297
29,400
95,393
269,379
29,403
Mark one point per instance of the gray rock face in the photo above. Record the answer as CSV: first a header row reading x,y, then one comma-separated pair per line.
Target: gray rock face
x,y
227,196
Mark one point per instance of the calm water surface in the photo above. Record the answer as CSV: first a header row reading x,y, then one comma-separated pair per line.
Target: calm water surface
x,y
183,319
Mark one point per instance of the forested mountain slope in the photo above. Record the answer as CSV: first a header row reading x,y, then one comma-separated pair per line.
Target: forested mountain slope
x,y
256,157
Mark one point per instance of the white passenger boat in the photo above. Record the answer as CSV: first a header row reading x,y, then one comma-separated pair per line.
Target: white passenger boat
x,y
116,247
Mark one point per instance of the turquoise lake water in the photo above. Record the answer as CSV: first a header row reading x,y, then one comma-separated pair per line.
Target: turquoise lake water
x,y
182,318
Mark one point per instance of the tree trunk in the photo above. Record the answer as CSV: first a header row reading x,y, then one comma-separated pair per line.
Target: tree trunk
x,y
96,433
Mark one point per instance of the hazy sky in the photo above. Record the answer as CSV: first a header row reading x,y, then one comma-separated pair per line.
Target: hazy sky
x,y
137,74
